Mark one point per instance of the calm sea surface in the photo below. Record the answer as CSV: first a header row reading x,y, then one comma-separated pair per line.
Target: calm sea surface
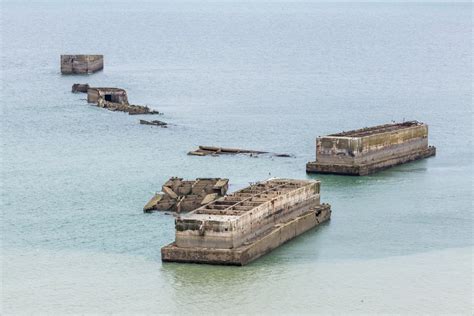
x,y
265,76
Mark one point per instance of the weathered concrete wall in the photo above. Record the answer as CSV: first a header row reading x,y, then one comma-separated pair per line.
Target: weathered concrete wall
x,y
232,234
367,168
354,150
370,146
271,239
254,223
209,229
349,157
115,95
92,95
81,64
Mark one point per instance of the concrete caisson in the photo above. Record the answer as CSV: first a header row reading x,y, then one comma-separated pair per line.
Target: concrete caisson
x,y
81,64
367,150
242,226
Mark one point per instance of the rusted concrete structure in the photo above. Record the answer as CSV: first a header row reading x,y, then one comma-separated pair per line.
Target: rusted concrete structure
x,y
367,150
178,195
243,226
81,64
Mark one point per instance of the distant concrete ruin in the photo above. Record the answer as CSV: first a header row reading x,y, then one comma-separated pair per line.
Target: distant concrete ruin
x,y
178,195
367,150
113,95
154,123
113,99
216,151
242,226
79,87
81,64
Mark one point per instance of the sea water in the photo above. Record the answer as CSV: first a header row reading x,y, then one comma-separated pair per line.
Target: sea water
x,y
268,76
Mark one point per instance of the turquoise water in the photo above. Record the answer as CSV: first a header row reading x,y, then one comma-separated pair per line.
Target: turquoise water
x,y
266,76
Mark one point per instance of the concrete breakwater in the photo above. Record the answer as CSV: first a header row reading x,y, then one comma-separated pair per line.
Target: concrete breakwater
x,y
364,151
240,227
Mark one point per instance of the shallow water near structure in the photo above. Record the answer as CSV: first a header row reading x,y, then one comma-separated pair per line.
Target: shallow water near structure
x,y
76,282
262,76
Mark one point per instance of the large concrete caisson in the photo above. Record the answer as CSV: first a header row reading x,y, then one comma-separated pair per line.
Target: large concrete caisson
x,y
243,226
364,151
81,64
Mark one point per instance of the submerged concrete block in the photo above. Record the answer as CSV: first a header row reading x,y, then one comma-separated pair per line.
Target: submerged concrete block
x,y
367,150
80,87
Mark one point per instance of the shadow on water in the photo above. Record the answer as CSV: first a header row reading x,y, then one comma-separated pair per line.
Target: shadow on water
x,y
291,253
217,285
192,282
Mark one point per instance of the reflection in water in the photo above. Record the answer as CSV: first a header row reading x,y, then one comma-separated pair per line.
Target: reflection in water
x,y
197,282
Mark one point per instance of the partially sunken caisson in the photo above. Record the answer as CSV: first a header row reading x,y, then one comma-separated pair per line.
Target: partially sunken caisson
x,y
242,226
367,150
